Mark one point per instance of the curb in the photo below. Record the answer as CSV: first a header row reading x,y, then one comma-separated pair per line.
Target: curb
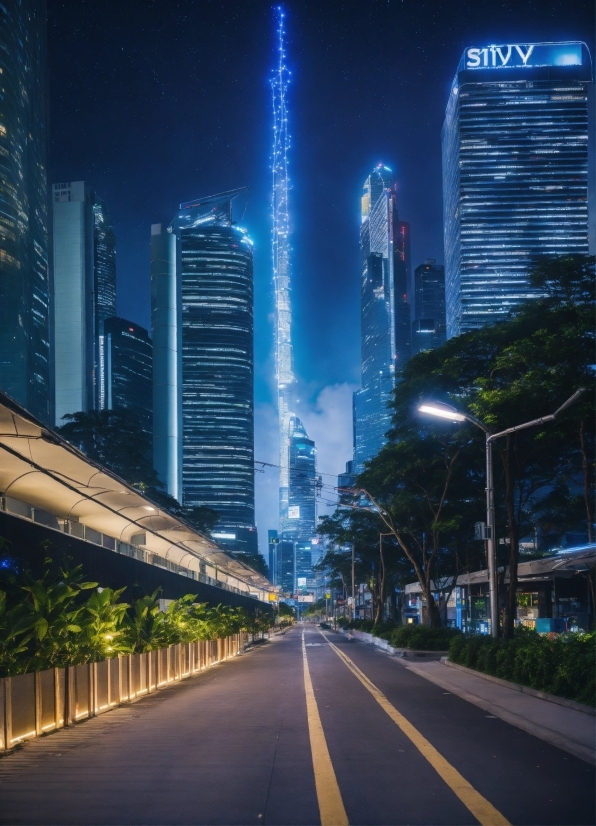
x,y
542,695
548,735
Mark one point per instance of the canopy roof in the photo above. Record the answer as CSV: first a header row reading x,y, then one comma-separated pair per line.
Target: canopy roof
x,y
39,467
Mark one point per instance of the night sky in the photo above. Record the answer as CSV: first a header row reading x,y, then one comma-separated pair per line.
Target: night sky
x,y
153,103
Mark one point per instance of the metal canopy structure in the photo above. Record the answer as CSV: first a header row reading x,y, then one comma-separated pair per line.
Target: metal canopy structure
x,y
40,468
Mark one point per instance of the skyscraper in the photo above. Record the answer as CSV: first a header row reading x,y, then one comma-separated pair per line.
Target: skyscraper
x,y
515,173
25,352
428,327
202,288
127,360
166,324
281,264
300,521
297,491
84,254
385,311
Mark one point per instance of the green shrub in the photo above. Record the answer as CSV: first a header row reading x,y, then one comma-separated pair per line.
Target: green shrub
x,y
421,638
564,665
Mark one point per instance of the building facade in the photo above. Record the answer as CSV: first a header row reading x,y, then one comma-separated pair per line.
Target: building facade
x,y
385,334
127,360
84,272
25,337
203,329
299,523
515,173
429,325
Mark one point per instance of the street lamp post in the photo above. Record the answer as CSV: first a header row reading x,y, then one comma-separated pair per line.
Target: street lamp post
x,y
353,612
444,411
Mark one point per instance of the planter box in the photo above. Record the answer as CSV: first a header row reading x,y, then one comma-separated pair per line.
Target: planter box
x,y
42,701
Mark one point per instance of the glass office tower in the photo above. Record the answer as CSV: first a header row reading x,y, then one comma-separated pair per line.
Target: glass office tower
x,y
84,256
515,173
205,298
25,369
385,311
128,369
429,325
300,521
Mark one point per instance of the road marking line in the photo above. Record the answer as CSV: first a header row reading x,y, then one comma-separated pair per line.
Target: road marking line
x,y
479,806
331,807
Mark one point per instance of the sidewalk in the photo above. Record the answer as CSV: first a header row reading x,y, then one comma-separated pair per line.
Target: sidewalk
x,y
568,729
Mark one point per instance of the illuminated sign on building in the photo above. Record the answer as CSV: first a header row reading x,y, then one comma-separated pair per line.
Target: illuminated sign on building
x,y
516,55
294,512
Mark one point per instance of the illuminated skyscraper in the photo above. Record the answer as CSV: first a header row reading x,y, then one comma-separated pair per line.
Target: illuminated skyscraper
x,y
297,491
428,327
281,264
84,255
385,312
202,310
128,370
25,369
300,522
515,173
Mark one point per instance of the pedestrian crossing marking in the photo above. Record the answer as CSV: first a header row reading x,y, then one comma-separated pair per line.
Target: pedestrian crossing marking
x,y
331,807
479,806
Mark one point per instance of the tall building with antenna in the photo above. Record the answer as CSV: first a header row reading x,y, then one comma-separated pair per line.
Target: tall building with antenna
x,y
296,507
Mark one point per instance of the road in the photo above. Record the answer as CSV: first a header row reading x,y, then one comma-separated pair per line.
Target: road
x,y
306,729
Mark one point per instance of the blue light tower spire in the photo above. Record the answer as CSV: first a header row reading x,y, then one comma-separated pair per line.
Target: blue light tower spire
x,y
281,264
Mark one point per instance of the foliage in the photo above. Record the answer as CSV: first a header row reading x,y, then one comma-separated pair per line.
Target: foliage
x,y
562,664
381,629
417,637
421,638
51,622
375,560
255,561
285,610
426,486
113,438
316,609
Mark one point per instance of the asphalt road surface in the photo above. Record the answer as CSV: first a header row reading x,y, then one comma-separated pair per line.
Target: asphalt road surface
x,y
306,729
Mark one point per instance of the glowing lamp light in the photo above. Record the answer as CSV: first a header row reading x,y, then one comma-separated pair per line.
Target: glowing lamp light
x,y
442,412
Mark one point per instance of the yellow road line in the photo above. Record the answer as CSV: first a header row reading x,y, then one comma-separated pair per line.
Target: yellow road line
x,y
479,806
331,807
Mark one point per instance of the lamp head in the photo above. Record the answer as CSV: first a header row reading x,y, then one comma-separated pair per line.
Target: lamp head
x,y
442,411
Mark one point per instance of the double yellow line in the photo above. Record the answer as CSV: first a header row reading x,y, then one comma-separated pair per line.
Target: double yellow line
x,y
331,806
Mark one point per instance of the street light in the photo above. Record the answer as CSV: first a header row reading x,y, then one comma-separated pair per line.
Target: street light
x,y
444,411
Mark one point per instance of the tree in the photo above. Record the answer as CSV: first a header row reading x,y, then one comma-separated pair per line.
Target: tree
x,y
422,488
428,481
255,561
548,356
113,438
375,561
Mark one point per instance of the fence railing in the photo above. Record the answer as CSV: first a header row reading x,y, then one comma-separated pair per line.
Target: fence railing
x,y
42,701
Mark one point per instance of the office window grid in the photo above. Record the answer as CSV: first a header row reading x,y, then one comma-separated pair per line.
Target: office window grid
x,y
515,165
217,370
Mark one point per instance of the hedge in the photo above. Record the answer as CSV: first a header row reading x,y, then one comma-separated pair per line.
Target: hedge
x,y
422,638
417,637
564,665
